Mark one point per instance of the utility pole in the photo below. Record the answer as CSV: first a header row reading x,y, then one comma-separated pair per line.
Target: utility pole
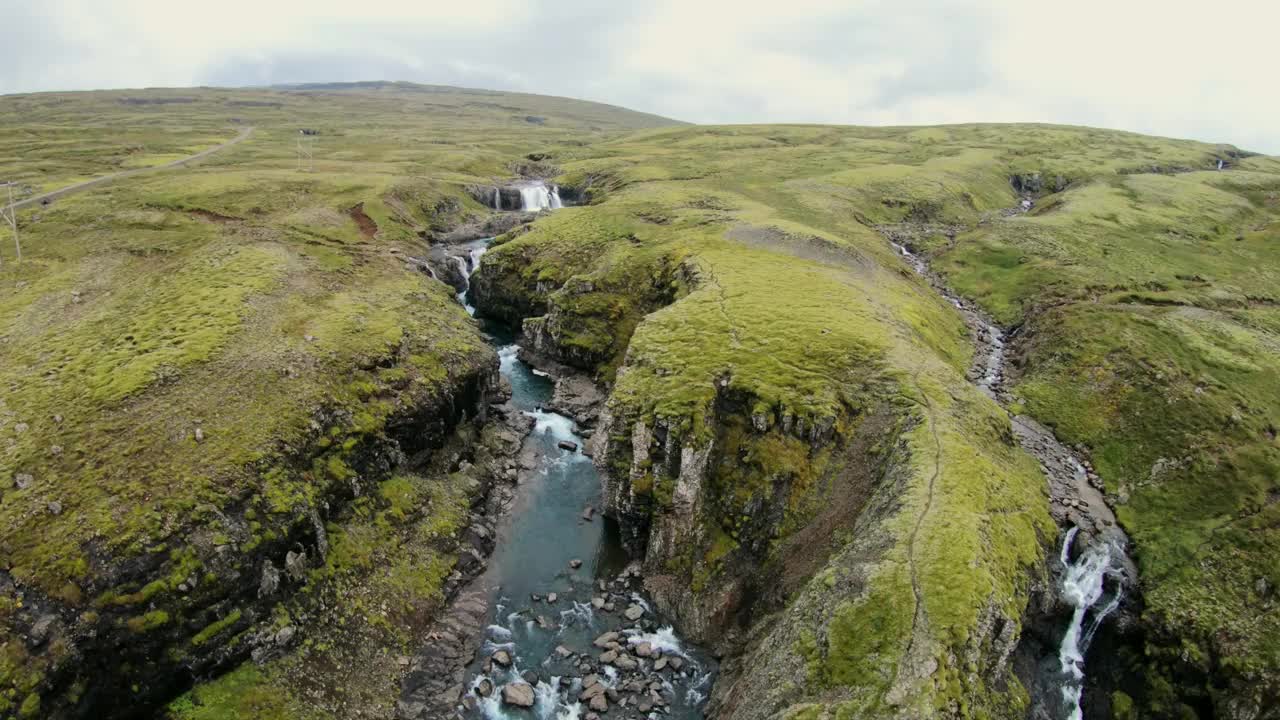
x,y
306,148
10,215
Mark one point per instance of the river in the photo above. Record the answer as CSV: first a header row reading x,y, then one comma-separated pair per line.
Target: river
x,y
569,627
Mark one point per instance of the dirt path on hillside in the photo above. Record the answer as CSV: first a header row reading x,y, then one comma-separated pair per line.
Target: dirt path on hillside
x,y
1075,490
85,185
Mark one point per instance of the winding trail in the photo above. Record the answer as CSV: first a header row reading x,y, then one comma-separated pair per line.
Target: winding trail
x,y
86,184
920,618
1076,500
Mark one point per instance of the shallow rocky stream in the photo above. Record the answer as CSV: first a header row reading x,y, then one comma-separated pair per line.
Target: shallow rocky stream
x,y
558,625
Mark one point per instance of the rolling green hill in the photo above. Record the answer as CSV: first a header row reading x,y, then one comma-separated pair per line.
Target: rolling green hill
x,y
194,360
206,368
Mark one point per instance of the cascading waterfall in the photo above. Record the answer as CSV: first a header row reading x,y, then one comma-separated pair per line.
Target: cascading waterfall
x,y
538,197
466,266
1083,586
497,199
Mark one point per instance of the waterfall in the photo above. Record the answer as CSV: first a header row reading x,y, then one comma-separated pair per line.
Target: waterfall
x,y
466,267
1083,586
536,197
497,199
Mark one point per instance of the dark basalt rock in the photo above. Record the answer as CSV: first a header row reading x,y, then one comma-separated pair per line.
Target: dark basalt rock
x,y
201,623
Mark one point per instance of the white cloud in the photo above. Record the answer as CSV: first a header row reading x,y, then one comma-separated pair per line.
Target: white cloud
x,y
1161,66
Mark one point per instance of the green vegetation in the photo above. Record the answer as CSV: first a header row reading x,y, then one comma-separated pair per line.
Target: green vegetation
x,y
1147,284
242,693
731,286
195,361
785,323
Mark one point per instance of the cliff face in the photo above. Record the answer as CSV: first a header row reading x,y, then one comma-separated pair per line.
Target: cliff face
x,y
187,612
829,510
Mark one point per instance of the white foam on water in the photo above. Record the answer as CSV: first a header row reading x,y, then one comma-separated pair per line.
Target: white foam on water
x,y
664,639
546,699
1082,587
555,424
580,614
695,694
490,647
497,632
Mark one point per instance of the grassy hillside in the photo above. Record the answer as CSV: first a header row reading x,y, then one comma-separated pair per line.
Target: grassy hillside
x,y
193,362
1145,279
789,420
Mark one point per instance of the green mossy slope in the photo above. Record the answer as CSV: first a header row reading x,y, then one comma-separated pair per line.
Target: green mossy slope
x,y
1145,279
200,367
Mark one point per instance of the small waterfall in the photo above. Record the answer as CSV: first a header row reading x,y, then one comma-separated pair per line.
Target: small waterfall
x,y
497,199
1083,587
476,254
466,267
536,197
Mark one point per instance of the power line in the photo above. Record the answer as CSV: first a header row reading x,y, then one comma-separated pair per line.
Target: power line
x,y
10,214
306,148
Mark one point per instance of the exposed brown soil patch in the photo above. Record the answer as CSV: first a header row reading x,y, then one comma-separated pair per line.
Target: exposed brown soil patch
x,y
808,549
211,216
368,227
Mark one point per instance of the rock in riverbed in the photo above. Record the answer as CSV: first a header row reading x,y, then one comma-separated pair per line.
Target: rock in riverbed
x,y
519,694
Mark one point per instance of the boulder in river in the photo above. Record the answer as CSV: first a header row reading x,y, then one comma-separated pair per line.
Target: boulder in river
x,y
569,445
519,694
503,658
633,612
604,640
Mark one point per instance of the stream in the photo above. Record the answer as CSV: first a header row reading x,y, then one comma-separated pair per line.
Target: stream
x,y
569,633
1095,569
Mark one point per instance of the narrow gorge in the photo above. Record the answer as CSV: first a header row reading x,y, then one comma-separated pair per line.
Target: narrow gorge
x,y
558,622
514,407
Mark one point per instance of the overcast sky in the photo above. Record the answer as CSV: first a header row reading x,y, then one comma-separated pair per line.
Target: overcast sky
x,y
1206,70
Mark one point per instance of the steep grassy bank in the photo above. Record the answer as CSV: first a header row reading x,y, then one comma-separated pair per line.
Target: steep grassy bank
x,y
1149,302
790,433
217,380
789,334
